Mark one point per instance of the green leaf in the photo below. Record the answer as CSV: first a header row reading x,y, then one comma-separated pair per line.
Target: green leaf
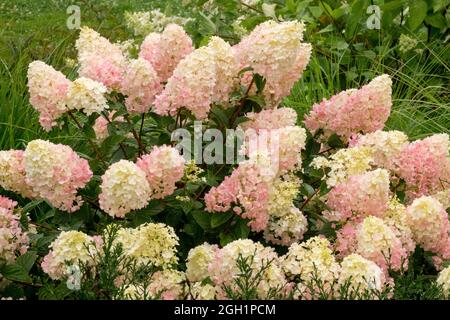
x,y
339,12
225,238
27,260
111,143
316,11
15,272
241,229
328,28
260,82
153,208
439,4
307,190
220,114
89,132
335,142
51,292
219,219
203,218
258,100
417,13
211,179
437,20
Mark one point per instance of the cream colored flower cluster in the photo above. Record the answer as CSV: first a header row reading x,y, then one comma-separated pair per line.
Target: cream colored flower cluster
x,y
386,146
444,280
360,275
378,242
68,249
128,186
163,285
124,188
144,22
198,261
12,173
344,163
87,95
286,223
311,260
150,243
221,266
141,84
276,52
430,226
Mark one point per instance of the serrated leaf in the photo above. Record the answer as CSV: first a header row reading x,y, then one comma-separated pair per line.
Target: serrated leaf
x,y
15,272
260,82
111,142
27,260
335,142
219,219
241,229
220,114
89,132
259,100
203,218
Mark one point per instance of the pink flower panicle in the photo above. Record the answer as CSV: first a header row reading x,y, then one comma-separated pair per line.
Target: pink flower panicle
x,y
13,240
48,89
353,111
373,239
55,172
246,191
12,173
164,166
141,84
205,76
164,51
190,86
99,59
270,119
362,195
425,165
